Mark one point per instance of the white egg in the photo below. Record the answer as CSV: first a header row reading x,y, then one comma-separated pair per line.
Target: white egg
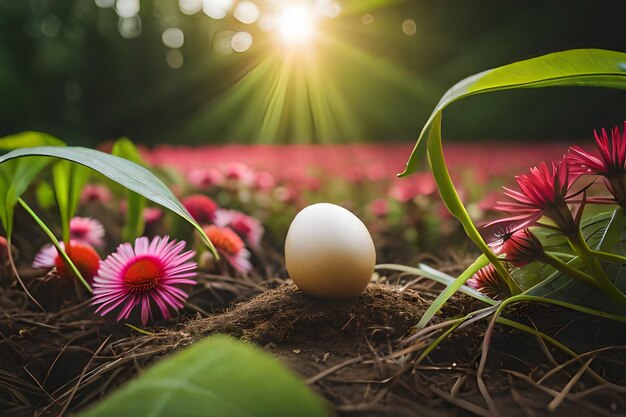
x,y
329,252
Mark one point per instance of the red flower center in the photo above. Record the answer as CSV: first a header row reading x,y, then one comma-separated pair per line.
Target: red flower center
x,y
143,274
84,257
224,239
80,231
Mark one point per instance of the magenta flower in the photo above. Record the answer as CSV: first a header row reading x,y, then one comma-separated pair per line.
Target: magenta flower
x,y
407,189
152,214
379,207
84,257
230,246
249,228
4,251
87,230
145,274
545,191
489,282
611,164
95,192
201,208
264,181
205,178
520,246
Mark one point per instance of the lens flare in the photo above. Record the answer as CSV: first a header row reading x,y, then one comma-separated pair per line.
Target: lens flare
x,y
295,24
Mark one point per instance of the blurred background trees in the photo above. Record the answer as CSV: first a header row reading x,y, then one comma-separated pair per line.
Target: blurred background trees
x,y
181,71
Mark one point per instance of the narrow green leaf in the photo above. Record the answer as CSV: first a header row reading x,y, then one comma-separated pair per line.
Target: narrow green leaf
x,y
45,195
480,262
218,376
28,139
578,67
61,182
453,202
438,276
135,203
126,173
16,177
614,233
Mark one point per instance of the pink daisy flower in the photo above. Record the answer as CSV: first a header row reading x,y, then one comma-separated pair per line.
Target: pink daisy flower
x,y
205,178
406,190
152,214
84,257
201,208
140,275
87,230
230,246
95,192
264,181
249,228
379,207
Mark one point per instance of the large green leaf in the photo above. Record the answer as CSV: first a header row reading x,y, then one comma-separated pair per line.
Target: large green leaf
x,y
124,172
606,232
578,67
218,376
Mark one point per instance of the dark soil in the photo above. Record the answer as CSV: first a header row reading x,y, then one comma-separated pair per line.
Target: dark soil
x,y
359,354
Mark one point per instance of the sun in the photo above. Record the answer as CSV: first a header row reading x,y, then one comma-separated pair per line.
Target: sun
x,y
295,24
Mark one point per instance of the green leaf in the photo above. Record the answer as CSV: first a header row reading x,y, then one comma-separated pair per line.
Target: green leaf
x,y
614,234
578,67
135,203
15,177
437,276
452,288
68,180
45,195
126,173
56,244
218,376
604,231
454,204
28,139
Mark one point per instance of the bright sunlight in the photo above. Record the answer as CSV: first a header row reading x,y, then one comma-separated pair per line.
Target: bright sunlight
x,y
296,24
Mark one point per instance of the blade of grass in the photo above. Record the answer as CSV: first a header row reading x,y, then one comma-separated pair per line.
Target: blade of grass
x,y
431,273
480,262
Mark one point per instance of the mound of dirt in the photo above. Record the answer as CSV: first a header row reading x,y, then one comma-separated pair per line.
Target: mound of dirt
x,y
286,316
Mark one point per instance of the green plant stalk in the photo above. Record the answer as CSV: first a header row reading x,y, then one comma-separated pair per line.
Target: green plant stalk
x,y
436,342
561,266
454,204
56,244
527,329
480,262
585,254
581,309
611,257
420,272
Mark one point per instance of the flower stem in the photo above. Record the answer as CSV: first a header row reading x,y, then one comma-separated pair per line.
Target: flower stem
x,y
564,268
611,257
56,244
585,254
